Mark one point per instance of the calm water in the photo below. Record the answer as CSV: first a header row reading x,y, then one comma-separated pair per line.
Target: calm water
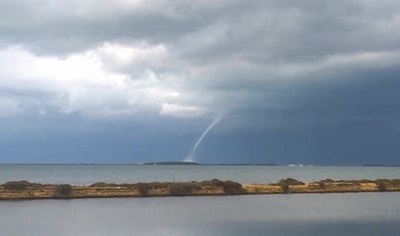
x,y
88,174
329,214
311,214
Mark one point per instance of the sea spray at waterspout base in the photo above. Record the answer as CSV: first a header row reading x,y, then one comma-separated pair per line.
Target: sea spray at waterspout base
x,y
190,157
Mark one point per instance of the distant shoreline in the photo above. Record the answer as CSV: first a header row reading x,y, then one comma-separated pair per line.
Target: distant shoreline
x,y
186,163
178,163
23,190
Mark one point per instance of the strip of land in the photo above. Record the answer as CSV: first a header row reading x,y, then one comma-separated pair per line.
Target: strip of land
x,y
23,190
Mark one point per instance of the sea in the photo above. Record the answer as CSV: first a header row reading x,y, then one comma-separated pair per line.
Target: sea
x,y
290,214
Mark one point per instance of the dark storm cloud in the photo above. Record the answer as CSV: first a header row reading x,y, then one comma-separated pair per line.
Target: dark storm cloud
x,y
271,31
252,31
63,27
278,68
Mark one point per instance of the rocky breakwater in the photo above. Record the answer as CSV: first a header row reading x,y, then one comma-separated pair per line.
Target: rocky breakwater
x,y
19,190
23,190
291,185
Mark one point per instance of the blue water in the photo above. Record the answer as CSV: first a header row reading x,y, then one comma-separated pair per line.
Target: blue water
x,y
88,174
301,214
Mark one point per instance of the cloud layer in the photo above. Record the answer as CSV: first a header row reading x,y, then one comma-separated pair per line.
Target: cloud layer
x,y
140,59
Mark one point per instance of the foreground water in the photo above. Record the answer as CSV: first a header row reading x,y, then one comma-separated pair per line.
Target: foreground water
x,y
315,214
88,174
311,214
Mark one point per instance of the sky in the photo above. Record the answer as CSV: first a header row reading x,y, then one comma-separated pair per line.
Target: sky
x,y
132,81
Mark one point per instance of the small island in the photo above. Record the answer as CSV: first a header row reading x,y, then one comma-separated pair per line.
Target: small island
x,y
171,163
24,190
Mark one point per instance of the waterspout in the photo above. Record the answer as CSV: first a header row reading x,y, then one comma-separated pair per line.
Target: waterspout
x,y
217,119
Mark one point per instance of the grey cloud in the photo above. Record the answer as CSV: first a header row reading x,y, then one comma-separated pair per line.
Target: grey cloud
x,y
52,28
252,31
297,32
279,64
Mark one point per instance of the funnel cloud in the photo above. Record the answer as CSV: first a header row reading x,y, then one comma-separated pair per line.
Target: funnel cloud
x,y
191,156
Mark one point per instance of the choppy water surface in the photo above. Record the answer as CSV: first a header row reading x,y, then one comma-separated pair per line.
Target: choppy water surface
x,y
88,174
313,214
